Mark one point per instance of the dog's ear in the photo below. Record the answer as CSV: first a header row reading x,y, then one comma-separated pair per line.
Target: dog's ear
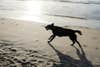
x,y
52,24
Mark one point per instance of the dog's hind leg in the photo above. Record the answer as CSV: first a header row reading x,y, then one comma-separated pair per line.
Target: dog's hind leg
x,y
78,43
73,40
73,43
51,38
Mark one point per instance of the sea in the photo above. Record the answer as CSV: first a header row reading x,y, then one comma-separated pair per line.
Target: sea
x,y
85,13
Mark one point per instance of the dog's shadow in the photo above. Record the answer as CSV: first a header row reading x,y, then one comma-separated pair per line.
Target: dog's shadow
x,y
68,61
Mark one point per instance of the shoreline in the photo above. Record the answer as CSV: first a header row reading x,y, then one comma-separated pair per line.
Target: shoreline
x,y
58,24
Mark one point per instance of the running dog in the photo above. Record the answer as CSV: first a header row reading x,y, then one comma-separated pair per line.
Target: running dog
x,y
59,31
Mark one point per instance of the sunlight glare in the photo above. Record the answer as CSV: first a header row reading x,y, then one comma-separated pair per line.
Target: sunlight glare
x,y
33,10
34,7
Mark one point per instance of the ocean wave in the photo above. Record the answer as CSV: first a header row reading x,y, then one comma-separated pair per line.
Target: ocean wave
x,y
70,1
82,2
75,17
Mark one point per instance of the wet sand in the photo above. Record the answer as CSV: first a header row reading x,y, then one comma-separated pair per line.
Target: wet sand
x,y
24,44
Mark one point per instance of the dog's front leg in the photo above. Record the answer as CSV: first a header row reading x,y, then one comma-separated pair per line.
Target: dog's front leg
x,y
51,38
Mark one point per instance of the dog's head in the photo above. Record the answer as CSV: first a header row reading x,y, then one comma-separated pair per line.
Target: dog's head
x,y
49,27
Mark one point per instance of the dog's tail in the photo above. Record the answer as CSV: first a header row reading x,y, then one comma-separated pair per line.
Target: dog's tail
x,y
78,31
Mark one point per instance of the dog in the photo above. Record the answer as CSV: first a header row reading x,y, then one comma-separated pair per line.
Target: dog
x,y
60,32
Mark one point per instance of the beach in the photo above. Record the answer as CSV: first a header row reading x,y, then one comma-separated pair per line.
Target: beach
x,y
24,44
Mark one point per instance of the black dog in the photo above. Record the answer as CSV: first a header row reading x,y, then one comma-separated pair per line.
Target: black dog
x,y
59,31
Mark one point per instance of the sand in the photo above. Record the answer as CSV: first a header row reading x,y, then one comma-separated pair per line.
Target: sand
x,y
24,44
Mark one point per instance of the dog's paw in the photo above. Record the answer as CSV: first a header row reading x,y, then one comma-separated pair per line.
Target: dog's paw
x,y
72,44
49,41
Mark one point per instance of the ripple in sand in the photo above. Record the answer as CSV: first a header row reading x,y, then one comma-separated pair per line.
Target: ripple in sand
x,y
11,56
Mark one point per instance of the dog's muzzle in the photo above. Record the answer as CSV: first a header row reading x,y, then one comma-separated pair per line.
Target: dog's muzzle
x,y
46,28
